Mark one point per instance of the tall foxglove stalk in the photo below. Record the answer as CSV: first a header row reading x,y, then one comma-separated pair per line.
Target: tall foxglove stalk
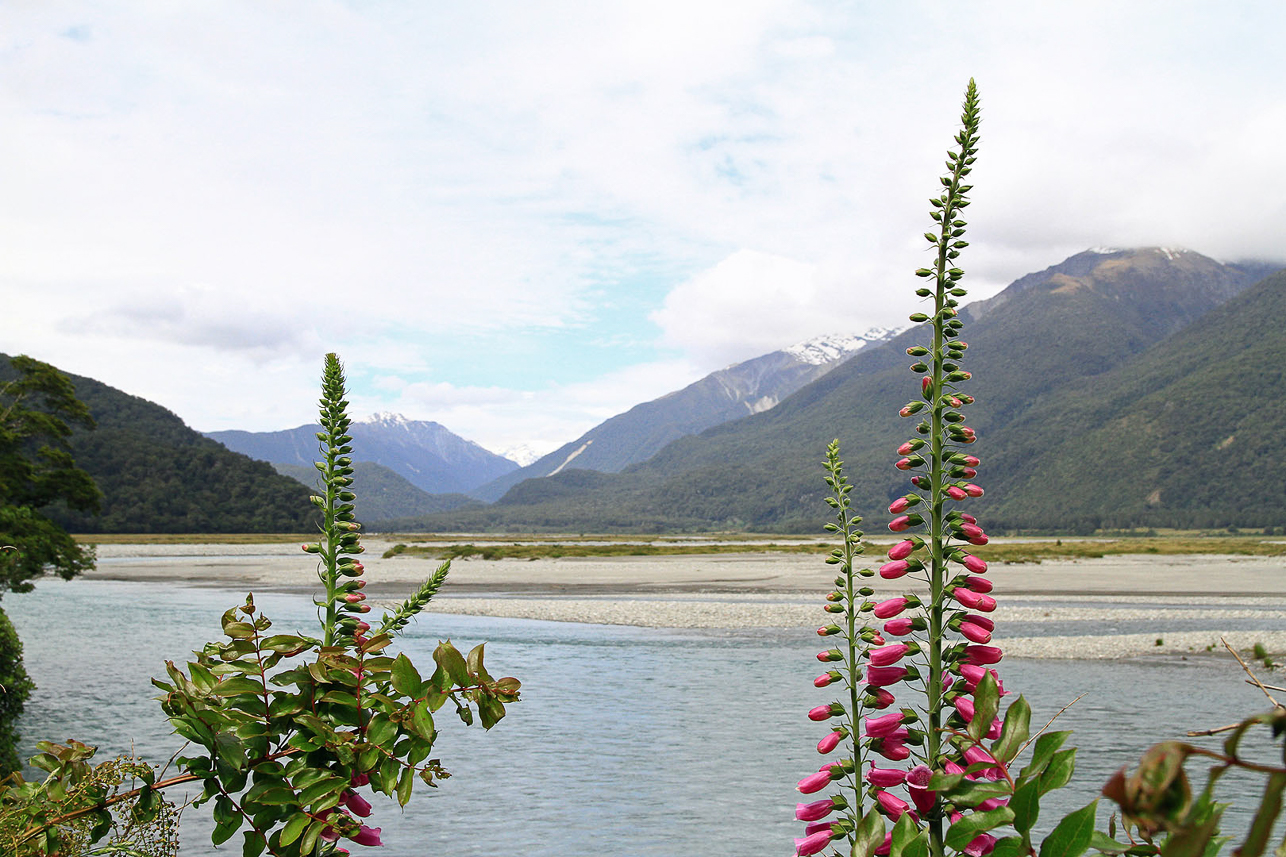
x,y
925,767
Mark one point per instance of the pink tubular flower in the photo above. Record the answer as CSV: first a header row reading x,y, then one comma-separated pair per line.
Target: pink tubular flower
x,y
992,803
357,805
358,780
917,784
895,569
368,836
890,608
894,751
899,627
814,782
902,549
907,448
888,655
883,726
900,523
903,464
956,493
830,742
818,809
355,597
981,845
982,655
884,676
979,541
973,674
899,506
978,584
973,600
818,827
885,777
973,490
812,844
974,564
975,633
894,807
964,705
971,531
981,621
824,679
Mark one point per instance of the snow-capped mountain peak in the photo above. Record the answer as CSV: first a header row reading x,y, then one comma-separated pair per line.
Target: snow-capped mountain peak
x,y
831,347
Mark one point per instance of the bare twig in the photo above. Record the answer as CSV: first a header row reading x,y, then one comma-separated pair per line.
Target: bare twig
x,y
1253,678
1050,723
1269,686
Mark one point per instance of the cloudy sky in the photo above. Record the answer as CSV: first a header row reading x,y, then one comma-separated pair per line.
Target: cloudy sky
x,y
521,218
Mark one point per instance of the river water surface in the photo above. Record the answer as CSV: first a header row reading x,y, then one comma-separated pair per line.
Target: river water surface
x,y
627,741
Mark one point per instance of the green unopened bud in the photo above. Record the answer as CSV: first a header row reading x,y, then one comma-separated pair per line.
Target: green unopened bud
x,y
919,367
866,592
834,608
918,317
923,293
828,630
917,351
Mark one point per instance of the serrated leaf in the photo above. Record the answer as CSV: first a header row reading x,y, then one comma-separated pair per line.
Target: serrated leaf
x,y
1071,836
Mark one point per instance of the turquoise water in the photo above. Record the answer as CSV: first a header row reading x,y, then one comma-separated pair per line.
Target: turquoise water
x,y
628,741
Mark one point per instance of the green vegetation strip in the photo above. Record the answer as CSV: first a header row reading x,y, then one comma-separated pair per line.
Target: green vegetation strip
x,y
1023,551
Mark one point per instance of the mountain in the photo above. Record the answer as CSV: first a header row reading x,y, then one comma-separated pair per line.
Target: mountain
x,y
1057,333
159,476
426,454
382,494
739,390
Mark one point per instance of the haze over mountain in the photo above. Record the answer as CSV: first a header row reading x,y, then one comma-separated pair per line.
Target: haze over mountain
x,y
159,476
1042,346
426,454
745,388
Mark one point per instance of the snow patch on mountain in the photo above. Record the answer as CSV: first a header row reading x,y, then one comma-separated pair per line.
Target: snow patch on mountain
x,y
831,347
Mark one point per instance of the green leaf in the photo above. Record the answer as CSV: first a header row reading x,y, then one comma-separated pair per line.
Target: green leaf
x,y
309,842
869,834
964,830
475,666
1059,771
973,792
1026,806
449,658
986,702
227,820
235,686
254,844
1014,732
406,679
421,722
1009,846
1071,836
903,832
319,791
1270,806
404,785
1100,841
1044,751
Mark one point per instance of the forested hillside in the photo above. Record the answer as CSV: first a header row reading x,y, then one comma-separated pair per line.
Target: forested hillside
x,y
159,476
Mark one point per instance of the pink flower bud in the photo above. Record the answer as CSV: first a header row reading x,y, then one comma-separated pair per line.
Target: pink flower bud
x,y
814,782
973,674
899,505
900,523
968,472
876,640
812,844
355,597
890,608
903,464
964,705
822,680
894,751
974,633
895,569
368,836
974,564
881,698
971,531
830,655
956,493
907,448
973,490
982,655
818,827
883,676
899,627
884,725
828,743
926,384
981,845
363,626
885,777
358,780
814,811
902,549
978,584
888,655
820,713
981,621
979,541
893,807
976,755
357,564
884,849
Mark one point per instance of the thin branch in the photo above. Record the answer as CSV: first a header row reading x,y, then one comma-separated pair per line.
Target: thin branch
x,y
1050,723
1253,679
1269,686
